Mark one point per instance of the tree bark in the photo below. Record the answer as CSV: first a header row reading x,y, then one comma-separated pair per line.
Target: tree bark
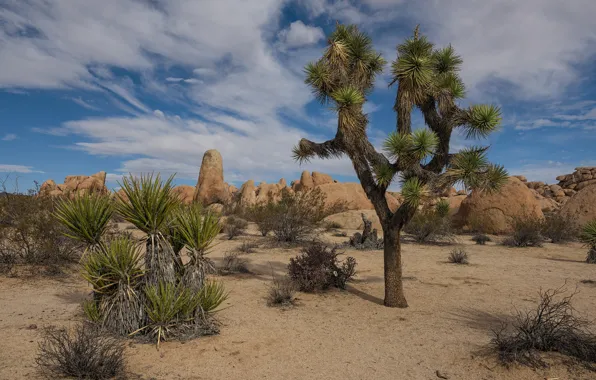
x,y
394,290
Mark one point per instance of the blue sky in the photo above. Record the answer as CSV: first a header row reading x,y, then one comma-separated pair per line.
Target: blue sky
x,y
149,85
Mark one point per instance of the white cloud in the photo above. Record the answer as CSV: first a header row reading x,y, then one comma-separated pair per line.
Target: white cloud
x,y
5,168
9,137
298,34
170,79
85,104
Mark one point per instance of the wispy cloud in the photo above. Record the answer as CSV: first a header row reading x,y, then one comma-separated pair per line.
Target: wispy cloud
x,y
85,104
9,137
6,168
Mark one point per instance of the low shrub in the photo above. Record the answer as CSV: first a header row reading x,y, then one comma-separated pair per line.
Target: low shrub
x,y
527,231
551,327
481,239
234,226
559,228
248,247
458,256
282,292
83,353
295,216
588,237
318,268
29,234
431,225
234,264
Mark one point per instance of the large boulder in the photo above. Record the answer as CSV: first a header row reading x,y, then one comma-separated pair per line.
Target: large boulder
x,y
581,206
268,192
248,195
76,185
352,219
306,181
455,202
495,211
47,187
321,179
349,193
210,186
185,193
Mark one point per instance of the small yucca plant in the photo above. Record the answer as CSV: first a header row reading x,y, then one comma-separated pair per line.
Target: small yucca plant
x,y
442,208
149,204
115,272
211,296
197,230
588,237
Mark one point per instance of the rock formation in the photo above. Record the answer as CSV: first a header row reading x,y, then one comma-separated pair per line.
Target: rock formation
x,y
496,210
186,193
582,206
210,186
76,185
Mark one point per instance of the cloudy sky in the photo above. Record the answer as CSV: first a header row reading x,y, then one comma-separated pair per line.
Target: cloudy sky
x,y
149,85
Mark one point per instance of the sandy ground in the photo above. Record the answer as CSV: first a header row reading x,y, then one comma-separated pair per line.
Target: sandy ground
x,y
338,335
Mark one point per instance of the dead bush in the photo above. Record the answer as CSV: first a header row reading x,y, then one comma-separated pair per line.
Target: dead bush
x,y
234,226
559,228
262,215
83,353
527,231
318,268
29,234
234,264
551,327
282,292
458,256
481,239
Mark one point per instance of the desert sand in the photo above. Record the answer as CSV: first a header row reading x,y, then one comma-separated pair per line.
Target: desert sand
x,y
336,335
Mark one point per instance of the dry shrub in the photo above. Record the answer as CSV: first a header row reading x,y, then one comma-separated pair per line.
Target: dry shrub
x,y
234,226
527,231
431,225
29,234
458,256
318,268
234,264
559,228
248,247
295,216
481,239
83,353
551,327
282,292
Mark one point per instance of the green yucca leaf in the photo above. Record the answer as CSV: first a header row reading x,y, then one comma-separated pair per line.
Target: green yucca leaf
x,y
496,176
442,208
149,202
424,143
117,262
416,71
347,96
384,174
196,228
319,78
91,311
446,61
481,120
85,217
416,47
453,83
413,191
397,144
588,234
211,296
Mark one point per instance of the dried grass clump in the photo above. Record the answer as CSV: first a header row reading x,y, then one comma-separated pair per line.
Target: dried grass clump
x,y
83,353
551,327
431,225
527,231
559,228
232,263
248,247
234,226
282,292
458,256
480,239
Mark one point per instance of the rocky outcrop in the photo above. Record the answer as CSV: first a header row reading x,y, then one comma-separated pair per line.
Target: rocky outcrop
x,y
568,186
185,193
76,185
496,210
352,219
321,179
582,206
210,186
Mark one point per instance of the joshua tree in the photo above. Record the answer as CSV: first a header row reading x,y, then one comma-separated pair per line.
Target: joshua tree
x,y
427,78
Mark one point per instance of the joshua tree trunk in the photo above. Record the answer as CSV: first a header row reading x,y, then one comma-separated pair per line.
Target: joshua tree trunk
x,y
394,290
159,262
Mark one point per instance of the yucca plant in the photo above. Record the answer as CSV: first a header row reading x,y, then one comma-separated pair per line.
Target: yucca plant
x,y
85,217
211,296
588,237
115,271
149,204
428,79
197,230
